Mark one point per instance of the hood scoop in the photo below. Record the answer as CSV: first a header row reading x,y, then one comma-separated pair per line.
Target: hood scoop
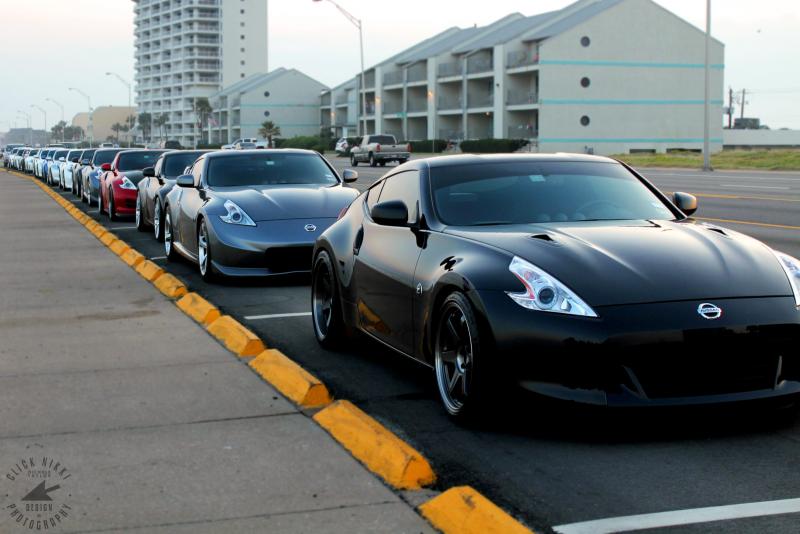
x,y
544,237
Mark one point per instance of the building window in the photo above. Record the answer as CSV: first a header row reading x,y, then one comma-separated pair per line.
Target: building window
x,y
585,120
266,113
585,82
242,37
242,62
243,75
242,10
585,41
266,94
242,24
242,50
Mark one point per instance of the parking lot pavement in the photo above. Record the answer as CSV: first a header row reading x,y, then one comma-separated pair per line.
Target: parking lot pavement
x,y
134,417
547,464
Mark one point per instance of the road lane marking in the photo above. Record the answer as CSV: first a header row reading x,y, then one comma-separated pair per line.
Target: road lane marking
x,y
751,223
681,517
753,186
737,197
276,316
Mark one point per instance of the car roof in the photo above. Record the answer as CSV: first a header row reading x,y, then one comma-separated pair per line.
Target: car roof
x,y
232,153
466,159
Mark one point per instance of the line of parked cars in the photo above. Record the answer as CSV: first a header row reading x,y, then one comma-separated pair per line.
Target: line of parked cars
x,y
568,276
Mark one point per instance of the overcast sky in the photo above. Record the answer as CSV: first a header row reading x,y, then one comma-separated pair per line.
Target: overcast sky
x,y
47,46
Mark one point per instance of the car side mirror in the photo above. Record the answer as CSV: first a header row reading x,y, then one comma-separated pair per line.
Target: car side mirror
x,y
390,213
185,180
74,160
349,175
686,203
62,159
85,162
105,167
148,172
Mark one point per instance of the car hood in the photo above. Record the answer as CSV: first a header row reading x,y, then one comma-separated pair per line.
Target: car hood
x,y
612,263
272,203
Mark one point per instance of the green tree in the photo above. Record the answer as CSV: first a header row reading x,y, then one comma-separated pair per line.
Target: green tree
x,y
269,130
202,108
73,133
58,130
116,128
160,122
146,124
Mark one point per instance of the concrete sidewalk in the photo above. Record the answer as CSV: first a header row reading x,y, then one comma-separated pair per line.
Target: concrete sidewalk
x,y
133,417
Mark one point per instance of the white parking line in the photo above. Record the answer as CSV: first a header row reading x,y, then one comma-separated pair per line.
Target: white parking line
x,y
276,316
123,228
681,517
158,258
754,186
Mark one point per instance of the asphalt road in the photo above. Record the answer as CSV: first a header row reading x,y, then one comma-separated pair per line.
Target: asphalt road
x,y
549,464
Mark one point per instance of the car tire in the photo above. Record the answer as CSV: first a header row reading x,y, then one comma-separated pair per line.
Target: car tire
x,y
140,225
326,309
111,212
401,161
372,162
204,262
169,237
462,379
353,161
158,222
382,164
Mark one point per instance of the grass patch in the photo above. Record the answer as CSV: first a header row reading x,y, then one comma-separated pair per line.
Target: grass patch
x,y
766,160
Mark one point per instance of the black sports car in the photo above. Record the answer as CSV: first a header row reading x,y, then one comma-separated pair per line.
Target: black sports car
x,y
571,276
157,182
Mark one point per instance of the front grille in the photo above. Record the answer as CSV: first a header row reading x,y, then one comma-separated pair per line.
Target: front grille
x,y
289,259
130,203
677,376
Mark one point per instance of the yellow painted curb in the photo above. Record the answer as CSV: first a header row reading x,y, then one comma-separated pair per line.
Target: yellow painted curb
x,y
132,257
170,286
463,510
119,247
108,238
198,309
293,381
149,270
98,231
236,337
375,446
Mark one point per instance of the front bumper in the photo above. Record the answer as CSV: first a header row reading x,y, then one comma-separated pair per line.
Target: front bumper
x,y
662,354
124,200
270,248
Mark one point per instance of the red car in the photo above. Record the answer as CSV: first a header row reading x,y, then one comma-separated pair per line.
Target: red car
x,y
119,180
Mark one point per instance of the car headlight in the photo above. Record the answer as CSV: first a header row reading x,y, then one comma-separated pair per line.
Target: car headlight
x,y
791,266
236,215
126,183
544,293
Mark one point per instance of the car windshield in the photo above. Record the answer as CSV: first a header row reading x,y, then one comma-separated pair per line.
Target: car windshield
x,y
60,154
175,164
73,154
104,156
268,168
87,154
136,161
541,192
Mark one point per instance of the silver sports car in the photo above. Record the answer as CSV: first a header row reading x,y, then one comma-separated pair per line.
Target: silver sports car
x,y
253,212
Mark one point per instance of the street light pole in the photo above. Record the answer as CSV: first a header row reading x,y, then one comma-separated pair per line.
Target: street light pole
x,y
30,128
706,143
127,84
91,125
62,115
45,117
362,130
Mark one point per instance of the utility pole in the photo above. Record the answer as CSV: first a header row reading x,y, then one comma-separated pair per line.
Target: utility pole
x,y
730,107
706,154
744,93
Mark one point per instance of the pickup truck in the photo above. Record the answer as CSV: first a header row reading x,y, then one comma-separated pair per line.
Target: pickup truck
x,y
378,149
232,146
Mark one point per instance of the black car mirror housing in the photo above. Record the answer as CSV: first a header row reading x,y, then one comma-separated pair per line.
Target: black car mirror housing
x,y
686,203
185,180
390,213
148,172
349,175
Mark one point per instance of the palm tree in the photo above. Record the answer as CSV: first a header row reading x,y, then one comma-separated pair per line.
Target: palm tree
x,y
145,123
269,130
202,108
161,121
116,128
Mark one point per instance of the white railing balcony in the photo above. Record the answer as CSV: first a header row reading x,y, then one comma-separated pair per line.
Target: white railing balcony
x,y
522,58
519,98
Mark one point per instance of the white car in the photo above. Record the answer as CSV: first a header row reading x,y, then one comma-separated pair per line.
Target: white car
x,y
67,169
257,142
30,160
53,168
341,146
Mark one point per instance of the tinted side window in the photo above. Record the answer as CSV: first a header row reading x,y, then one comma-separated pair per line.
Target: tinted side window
x,y
373,195
403,186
